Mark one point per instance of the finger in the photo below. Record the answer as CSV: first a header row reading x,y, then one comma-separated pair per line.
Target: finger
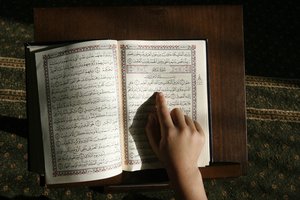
x,y
190,123
152,101
178,118
199,128
200,131
163,113
153,133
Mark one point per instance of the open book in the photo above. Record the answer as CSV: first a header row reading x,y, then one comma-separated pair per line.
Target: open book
x,y
95,96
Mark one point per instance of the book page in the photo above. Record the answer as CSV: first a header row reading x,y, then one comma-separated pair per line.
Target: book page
x,y
78,92
176,68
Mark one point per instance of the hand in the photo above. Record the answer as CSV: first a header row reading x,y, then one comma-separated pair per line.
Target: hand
x,y
174,137
177,141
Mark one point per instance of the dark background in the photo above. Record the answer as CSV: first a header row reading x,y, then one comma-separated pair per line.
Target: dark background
x,y
270,28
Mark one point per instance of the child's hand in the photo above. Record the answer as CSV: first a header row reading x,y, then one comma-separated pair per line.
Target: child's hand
x,y
174,137
177,141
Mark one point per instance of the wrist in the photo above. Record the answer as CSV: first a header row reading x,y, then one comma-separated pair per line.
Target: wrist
x,y
183,172
188,184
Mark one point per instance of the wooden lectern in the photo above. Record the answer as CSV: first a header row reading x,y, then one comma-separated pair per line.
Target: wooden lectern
x,y
222,26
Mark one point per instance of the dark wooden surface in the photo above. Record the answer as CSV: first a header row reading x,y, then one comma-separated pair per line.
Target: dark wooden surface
x,y
222,26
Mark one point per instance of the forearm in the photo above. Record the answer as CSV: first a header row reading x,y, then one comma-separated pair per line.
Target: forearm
x,y
187,183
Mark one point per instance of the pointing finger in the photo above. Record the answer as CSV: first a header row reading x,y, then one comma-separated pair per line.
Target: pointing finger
x,y
163,113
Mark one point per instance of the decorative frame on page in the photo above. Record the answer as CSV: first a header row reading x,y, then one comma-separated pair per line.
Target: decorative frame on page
x,y
156,61
55,168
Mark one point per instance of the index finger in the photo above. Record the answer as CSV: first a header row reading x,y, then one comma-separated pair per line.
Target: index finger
x,y
163,113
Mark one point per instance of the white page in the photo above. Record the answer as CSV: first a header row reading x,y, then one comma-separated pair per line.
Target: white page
x,y
176,68
78,92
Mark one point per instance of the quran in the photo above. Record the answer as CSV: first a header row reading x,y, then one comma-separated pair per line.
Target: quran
x,y
94,98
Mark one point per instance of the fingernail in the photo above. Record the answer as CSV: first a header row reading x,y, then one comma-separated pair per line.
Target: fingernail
x,y
179,107
158,95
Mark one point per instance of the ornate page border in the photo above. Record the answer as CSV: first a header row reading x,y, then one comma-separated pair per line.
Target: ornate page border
x,y
124,72
49,107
